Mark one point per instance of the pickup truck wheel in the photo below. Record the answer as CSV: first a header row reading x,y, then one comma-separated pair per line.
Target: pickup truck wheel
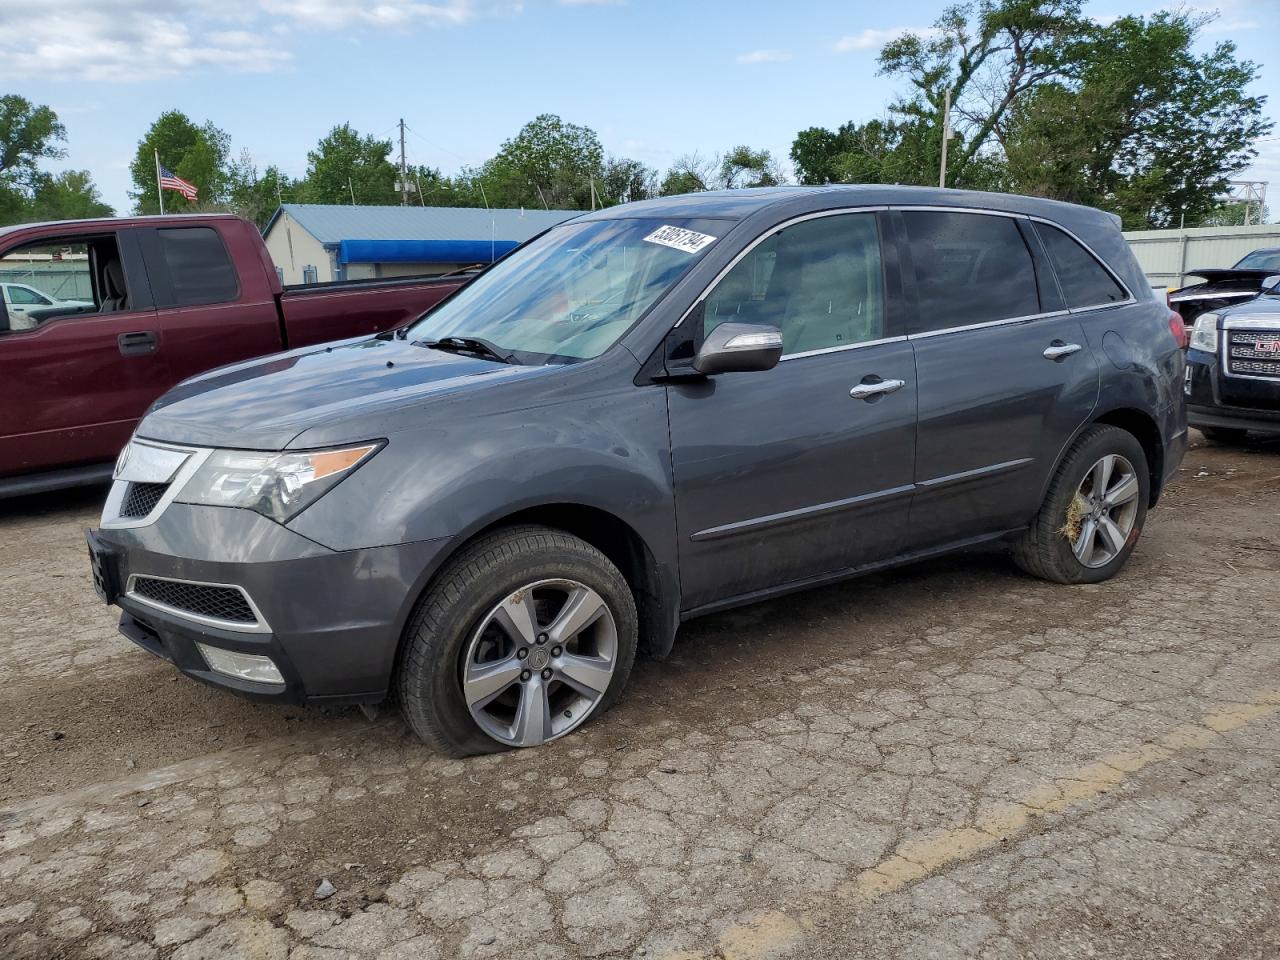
x,y
1223,435
1093,513
521,639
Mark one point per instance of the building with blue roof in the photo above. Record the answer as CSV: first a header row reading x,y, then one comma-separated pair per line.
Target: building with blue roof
x,y
320,243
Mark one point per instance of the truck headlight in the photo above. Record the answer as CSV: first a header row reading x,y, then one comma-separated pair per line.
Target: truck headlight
x,y
276,485
1204,335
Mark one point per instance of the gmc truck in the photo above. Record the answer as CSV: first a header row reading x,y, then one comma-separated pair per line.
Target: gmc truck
x,y
1233,370
132,307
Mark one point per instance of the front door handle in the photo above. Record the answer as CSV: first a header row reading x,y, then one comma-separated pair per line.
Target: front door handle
x,y
1058,350
137,344
872,387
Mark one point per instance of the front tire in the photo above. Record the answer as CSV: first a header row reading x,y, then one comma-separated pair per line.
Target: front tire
x,y
1093,512
523,637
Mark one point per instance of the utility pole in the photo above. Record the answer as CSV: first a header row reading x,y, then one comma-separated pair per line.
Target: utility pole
x,y
353,191
946,136
404,170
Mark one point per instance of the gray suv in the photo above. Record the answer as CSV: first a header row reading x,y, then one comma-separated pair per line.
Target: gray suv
x,y
643,415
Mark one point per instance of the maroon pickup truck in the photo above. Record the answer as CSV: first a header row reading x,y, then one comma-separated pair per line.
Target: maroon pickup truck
x,y
102,316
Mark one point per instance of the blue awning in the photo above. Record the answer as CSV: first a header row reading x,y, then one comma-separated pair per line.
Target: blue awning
x,y
422,251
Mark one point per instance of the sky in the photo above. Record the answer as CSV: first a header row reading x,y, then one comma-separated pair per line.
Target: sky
x,y
654,78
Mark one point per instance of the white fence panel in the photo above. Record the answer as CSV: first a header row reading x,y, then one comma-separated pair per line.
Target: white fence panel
x,y
1167,255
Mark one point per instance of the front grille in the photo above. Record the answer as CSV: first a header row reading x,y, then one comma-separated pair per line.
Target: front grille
x,y
1245,359
202,599
141,499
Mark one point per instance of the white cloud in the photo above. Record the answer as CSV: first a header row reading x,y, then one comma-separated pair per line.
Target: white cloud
x,y
137,40
875,39
764,56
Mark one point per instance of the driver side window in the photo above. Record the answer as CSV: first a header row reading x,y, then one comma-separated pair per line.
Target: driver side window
x,y
819,281
54,278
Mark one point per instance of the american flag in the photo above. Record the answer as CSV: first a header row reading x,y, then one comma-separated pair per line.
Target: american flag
x,y
171,181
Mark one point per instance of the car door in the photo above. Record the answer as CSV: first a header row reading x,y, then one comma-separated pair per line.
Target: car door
x,y
1005,374
804,470
21,301
73,386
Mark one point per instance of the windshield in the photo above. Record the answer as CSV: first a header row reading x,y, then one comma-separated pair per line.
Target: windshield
x,y
1261,260
571,293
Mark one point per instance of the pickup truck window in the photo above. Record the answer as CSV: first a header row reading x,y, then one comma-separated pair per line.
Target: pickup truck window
x,y
970,268
50,279
200,269
571,293
819,281
1084,281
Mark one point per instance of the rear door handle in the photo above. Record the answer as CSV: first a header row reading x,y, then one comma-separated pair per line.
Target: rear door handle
x,y
137,344
1058,350
872,387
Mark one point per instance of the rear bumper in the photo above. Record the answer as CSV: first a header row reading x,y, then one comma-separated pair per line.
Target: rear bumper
x,y
331,621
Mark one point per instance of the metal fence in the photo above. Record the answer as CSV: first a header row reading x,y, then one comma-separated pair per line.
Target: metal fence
x,y
62,281
1167,255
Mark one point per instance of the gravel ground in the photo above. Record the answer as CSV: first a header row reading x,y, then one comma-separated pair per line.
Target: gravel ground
x,y
951,760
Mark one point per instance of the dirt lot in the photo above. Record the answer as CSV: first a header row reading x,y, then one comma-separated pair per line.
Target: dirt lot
x,y
949,761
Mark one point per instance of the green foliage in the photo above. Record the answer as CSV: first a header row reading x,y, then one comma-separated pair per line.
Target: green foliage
x,y
71,195
548,163
28,134
345,165
1142,126
626,181
198,154
744,167
256,197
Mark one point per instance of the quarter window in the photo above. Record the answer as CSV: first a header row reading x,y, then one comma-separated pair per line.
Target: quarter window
x,y
819,281
1084,281
969,268
200,270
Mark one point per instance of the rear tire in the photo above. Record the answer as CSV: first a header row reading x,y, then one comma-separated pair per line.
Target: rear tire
x,y
1076,537
1225,436
502,606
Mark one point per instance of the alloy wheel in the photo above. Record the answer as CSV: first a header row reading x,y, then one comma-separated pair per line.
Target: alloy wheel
x,y
1103,511
539,662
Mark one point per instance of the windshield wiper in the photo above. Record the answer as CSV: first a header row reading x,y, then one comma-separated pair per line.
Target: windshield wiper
x,y
476,345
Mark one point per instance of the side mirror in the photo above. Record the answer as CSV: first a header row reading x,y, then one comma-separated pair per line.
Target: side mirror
x,y
1272,283
739,348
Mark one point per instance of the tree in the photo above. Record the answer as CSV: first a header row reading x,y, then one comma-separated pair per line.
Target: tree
x,y
744,167
198,154
28,134
987,55
690,173
548,163
256,197
1141,124
346,167
71,195
625,181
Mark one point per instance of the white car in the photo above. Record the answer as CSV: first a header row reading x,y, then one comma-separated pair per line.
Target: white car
x,y
20,299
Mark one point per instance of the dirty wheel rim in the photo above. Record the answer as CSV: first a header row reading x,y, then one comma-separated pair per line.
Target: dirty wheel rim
x,y
539,662
1105,507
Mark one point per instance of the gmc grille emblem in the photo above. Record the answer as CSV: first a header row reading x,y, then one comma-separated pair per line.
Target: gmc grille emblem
x,y
1267,346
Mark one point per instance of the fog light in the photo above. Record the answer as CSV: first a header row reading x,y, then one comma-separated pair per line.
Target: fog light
x,y
243,666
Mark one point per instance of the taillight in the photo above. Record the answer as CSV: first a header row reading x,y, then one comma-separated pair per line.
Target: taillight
x,y
1178,329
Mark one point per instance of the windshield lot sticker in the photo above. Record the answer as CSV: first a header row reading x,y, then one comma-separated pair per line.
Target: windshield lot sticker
x,y
690,241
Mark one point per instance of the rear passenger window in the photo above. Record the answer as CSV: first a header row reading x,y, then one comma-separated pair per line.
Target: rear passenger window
x,y
970,268
1084,281
819,281
200,270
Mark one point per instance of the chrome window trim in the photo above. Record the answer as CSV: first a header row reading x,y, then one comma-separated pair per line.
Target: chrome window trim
x,y
989,323
260,626
1265,322
841,348
111,516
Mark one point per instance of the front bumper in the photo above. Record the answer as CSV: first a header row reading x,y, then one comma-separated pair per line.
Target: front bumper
x,y
331,621
1234,403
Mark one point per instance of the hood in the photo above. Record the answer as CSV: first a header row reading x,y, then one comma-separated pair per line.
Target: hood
x,y
1265,307
264,404
1228,280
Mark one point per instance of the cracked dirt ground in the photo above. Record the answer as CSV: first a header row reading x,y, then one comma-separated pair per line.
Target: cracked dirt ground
x,y
951,760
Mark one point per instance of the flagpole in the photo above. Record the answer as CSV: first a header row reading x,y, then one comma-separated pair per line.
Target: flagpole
x,y
159,189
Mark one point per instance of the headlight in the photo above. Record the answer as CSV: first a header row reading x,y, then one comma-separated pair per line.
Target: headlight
x,y
1204,335
277,485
